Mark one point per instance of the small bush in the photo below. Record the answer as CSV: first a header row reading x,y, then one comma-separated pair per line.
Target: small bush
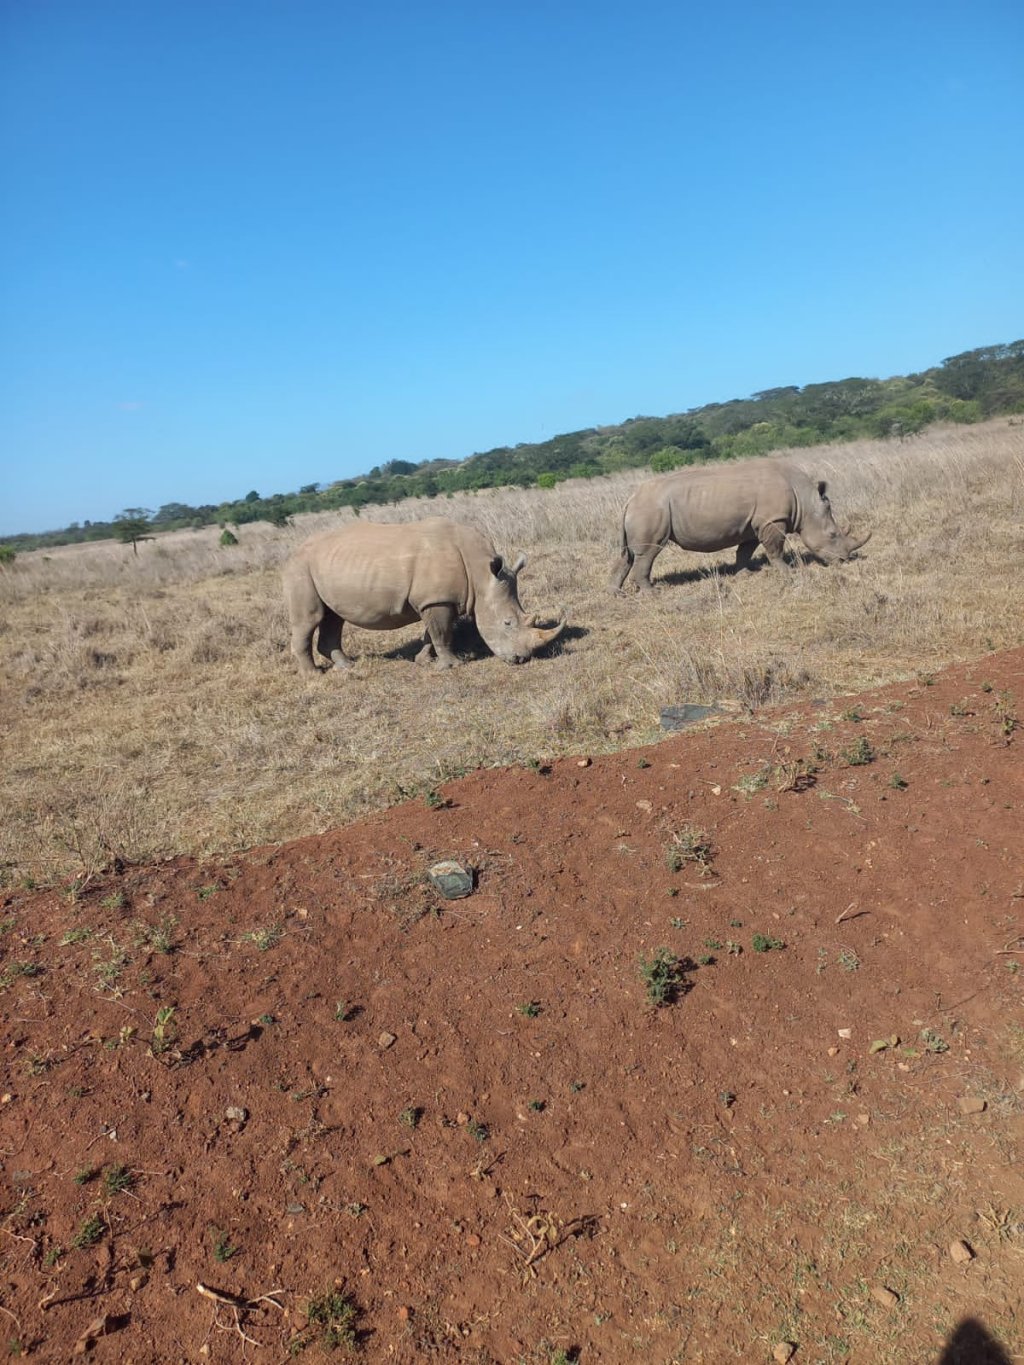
x,y
662,975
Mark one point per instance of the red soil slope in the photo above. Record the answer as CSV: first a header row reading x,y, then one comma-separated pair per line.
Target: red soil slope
x,y
753,1164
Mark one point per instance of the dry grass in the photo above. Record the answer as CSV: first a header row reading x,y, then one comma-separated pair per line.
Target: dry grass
x,y
150,706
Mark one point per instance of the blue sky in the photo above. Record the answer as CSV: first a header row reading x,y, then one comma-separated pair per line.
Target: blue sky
x,y
254,245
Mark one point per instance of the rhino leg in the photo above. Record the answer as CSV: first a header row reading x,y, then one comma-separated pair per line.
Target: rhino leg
x,y
440,624
622,567
329,639
773,537
305,612
643,562
745,553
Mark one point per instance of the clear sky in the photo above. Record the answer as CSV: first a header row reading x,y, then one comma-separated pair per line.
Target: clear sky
x,y
259,243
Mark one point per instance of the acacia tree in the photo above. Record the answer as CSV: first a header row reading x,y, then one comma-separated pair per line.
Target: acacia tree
x,y
131,526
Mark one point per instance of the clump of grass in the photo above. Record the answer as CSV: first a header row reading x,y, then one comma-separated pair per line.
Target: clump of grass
x,y
264,937
410,1116
14,970
117,1179
848,960
223,1247
689,845
80,934
89,1233
164,1031
478,1131
343,1011
116,900
765,943
662,976
205,892
334,1318
859,753
898,782
529,1009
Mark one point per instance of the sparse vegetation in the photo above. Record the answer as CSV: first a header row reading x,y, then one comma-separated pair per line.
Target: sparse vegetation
x,y
223,1248
766,943
859,753
333,1318
529,1009
662,975
89,1232
689,845
264,937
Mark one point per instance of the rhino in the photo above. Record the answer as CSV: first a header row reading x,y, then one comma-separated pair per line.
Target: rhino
x,y
381,577
711,507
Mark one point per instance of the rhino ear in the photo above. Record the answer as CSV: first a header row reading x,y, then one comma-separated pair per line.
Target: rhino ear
x,y
519,565
497,564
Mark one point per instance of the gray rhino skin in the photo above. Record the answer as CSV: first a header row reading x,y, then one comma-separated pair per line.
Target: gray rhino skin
x,y
381,577
710,507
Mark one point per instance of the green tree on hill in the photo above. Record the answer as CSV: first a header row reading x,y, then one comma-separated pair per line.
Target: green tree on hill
x,y
133,525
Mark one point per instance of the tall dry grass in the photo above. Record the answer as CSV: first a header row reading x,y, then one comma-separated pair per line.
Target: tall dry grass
x,y
150,706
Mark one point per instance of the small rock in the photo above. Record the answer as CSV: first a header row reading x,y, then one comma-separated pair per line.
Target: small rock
x,y
295,1208
472,1240
6,1098
969,1104
138,1282
386,1040
404,1312
679,717
236,1114
961,1252
645,805
583,763
863,1120
462,1118
783,1352
886,1297
845,1032
833,1052
451,879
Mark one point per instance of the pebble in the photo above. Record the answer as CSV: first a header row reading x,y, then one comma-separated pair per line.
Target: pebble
x,y
404,1312
783,1352
961,1252
451,879
969,1104
886,1297
236,1114
472,1240
583,763
386,1040
137,1282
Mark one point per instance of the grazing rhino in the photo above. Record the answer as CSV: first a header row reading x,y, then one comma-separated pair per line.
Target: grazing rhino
x,y
381,577
710,507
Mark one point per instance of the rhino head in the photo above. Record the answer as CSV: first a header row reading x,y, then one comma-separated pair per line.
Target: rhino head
x,y
501,621
822,535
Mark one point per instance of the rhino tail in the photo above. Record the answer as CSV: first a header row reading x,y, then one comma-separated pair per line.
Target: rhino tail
x,y
624,562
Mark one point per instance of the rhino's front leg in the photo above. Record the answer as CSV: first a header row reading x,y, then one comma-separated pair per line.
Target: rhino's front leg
x,y
773,537
745,553
440,624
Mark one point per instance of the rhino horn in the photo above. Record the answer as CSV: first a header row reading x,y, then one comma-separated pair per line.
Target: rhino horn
x,y
543,637
856,544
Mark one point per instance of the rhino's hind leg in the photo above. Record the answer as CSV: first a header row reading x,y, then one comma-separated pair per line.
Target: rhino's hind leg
x,y
329,640
440,624
643,562
622,567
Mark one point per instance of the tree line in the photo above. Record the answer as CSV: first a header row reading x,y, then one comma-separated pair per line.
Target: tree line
x,y
964,388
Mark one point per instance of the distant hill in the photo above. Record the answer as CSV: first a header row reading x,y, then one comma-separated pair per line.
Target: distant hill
x,y
963,388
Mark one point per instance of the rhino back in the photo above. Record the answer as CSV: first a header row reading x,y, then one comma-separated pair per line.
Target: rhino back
x,y
710,507
381,576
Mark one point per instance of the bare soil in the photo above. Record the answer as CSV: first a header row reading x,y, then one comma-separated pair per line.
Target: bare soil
x,y
468,1119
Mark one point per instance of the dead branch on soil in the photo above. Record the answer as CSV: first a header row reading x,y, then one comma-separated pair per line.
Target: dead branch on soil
x,y
533,1236
239,1306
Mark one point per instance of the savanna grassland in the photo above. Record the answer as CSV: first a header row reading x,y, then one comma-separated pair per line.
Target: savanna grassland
x,y
150,705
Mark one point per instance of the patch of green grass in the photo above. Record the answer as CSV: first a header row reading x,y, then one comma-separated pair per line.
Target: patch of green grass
x,y
662,976
164,1032
89,1233
223,1248
848,960
117,1179
859,753
529,1009
205,892
343,1011
334,1318
14,970
84,1176
115,901
537,1106
765,943
80,934
410,1116
898,782
478,1131
264,937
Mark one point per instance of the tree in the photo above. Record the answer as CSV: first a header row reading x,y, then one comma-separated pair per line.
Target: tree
x,y
227,538
252,496
7,554
131,526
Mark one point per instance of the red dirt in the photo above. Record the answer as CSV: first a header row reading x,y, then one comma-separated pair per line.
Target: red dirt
x,y
708,1179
